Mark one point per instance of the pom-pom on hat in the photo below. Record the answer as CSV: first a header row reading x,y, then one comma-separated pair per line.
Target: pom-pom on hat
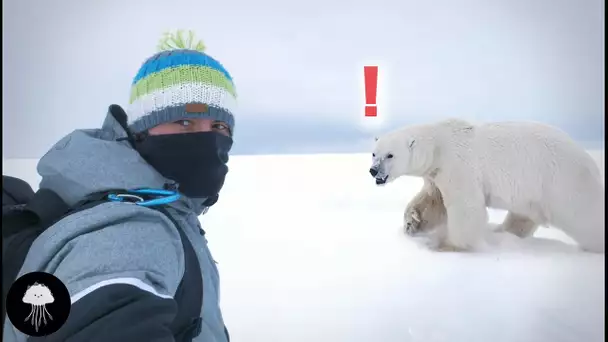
x,y
180,82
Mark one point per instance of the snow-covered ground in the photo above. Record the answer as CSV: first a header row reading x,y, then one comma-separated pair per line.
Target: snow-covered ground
x,y
309,249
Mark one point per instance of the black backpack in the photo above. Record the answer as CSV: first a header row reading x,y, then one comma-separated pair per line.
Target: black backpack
x,y
26,214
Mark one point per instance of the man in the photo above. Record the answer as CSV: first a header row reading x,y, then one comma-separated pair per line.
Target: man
x,y
123,262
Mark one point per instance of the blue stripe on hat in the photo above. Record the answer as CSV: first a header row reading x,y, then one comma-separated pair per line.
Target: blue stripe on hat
x,y
170,59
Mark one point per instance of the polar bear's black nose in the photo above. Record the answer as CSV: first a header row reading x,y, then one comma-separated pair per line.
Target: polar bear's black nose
x,y
373,172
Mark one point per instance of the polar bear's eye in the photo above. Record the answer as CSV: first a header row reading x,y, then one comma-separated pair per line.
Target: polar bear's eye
x,y
373,154
389,156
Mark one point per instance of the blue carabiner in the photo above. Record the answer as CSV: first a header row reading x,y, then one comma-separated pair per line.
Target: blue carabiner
x,y
167,196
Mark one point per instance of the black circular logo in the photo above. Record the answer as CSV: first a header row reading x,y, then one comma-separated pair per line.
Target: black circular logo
x,y
38,304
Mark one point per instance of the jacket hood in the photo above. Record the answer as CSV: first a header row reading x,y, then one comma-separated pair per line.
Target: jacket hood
x,y
93,160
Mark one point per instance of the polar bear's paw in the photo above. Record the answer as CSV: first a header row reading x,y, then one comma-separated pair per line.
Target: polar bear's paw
x,y
412,223
448,247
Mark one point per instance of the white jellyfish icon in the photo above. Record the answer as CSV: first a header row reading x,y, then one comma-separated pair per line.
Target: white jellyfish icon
x,y
38,296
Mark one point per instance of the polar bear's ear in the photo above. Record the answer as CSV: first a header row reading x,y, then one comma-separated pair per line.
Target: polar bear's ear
x,y
375,138
411,143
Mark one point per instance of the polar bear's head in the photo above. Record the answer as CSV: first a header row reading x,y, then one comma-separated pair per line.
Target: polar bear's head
x,y
407,152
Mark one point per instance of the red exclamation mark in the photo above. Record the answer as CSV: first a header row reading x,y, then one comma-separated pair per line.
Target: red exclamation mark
x,y
371,87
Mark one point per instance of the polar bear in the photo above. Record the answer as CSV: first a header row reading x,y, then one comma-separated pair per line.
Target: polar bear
x,y
534,171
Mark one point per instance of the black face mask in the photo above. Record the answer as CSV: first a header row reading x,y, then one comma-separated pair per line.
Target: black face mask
x,y
196,161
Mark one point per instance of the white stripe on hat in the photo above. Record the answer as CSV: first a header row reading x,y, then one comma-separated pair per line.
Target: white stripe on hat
x,y
180,94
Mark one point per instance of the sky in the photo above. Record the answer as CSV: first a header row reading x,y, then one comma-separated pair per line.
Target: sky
x,y
298,66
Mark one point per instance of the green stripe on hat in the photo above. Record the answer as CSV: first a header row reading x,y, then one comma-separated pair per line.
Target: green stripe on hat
x,y
183,74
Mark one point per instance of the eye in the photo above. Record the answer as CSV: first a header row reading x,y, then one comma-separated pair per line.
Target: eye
x,y
184,123
222,127
389,156
373,154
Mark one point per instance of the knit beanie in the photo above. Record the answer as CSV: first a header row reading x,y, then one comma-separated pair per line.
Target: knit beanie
x,y
180,82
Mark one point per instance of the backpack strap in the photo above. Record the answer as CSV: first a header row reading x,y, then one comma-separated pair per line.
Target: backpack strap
x,y
43,209
188,323
15,191
47,206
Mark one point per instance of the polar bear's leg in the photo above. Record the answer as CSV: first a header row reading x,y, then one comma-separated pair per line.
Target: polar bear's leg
x,y
518,225
466,224
411,216
587,228
467,217
465,204
425,211
592,238
578,209
411,220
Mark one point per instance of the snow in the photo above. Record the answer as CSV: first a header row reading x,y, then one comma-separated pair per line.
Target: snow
x,y
310,249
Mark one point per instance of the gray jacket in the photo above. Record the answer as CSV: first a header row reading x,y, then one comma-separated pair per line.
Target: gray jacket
x,y
118,250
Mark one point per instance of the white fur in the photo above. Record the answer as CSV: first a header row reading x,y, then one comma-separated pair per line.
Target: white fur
x,y
534,171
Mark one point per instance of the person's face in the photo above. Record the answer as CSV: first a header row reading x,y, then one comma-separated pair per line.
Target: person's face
x,y
191,126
